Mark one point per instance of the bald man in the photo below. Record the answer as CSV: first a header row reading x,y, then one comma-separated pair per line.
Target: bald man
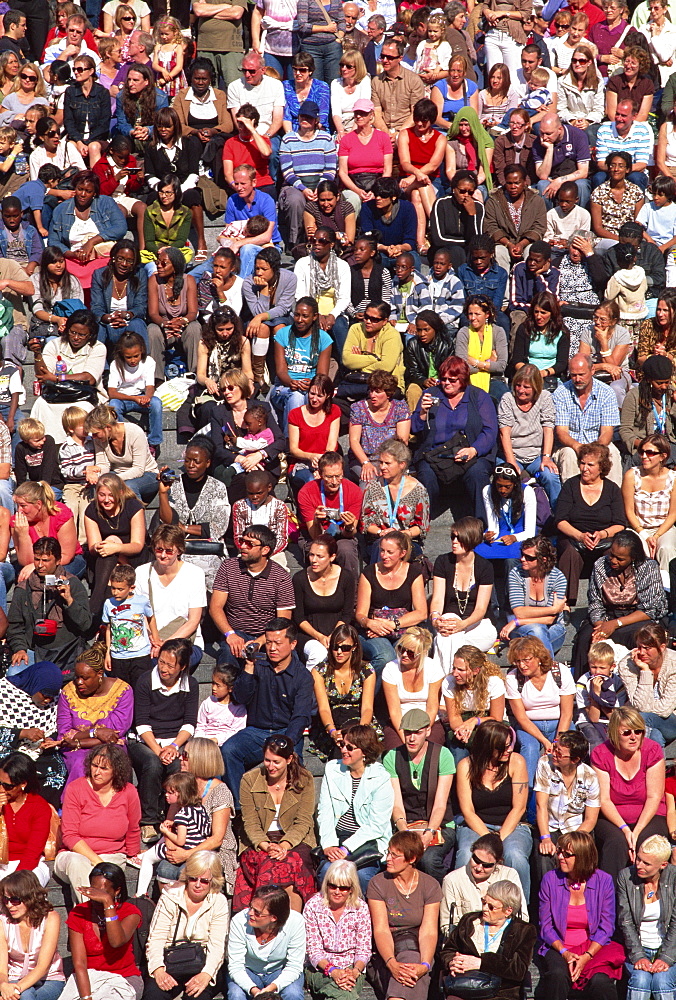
x,y
561,153
353,38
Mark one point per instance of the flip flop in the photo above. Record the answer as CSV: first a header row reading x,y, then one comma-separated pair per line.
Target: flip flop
x,y
201,256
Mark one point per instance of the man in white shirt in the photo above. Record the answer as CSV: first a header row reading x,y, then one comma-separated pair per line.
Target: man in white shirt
x,y
72,45
531,57
266,95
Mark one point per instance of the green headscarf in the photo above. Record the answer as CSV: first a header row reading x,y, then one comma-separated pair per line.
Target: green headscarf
x,y
482,139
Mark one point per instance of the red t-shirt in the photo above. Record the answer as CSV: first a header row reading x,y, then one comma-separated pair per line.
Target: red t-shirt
x,y
313,439
27,831
309,498
246,152
628,797
101,957
365,159
62,515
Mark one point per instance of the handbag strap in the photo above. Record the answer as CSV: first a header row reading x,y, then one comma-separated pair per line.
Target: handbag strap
x,y
324,11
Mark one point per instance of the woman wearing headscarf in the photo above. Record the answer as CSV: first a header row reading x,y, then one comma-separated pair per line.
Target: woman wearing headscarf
x,y
649,407
470,147
27,716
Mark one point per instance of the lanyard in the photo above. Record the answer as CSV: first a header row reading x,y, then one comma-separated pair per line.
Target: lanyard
x,y
392,512
661,421
340,496
488,939
508,519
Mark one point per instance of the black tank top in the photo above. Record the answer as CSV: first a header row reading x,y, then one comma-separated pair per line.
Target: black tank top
x,y
493,806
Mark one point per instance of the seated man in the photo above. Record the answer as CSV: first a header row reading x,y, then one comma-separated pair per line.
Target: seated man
x,y
515,216
243,205
586,411
395,91
19,240
410,294
648,256
625,133
332,505
73,44
561,153
531,58
530,276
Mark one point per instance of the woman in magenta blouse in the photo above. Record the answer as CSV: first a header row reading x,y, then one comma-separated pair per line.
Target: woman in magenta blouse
x,y
630,770
363,155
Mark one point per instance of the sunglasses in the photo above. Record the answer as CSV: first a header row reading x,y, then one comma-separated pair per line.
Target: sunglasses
x,y
529,558
372,319
320,240
648,451
623,732
164,552
249,72
54,134
565,854
450,378
344,647
12,900
7,785
199,879
407,654
337,888
248,543
349,747
346,65
27,76
484,864
80,69
505,470
579,60
388,58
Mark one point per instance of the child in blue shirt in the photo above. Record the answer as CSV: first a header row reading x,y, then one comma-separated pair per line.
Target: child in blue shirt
x,y
445,290
659,219
480,275
131,632
302,351
32,195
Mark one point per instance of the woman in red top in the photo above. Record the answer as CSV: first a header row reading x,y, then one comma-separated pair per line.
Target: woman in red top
x,y
40,515
27,817
100,938
249,146
313,429
421,150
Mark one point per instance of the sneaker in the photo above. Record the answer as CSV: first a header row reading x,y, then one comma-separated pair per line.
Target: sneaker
x,y
149,834
135,862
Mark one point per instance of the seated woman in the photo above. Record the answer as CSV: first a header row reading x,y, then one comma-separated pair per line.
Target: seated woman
x,y
537,596
137,101
473,691
344,688
94,710
115,526
372,345
40,515
208,912
332,963
100,818
470,147
390,599
424,353
543,340
395,501
649,407
277,801
313,429
657,336
29,939
325,595
412,680
394,219
541,695
567,796
650,499
125,281
79,347
526,418
625,590
164,723
404,905
331,209
278,969
202,108
630,768
610,345
355,805
458,91
492,787
483,346
616,200
577,922
51,284
577,293
510,508
220,287
589,512
121,448
462,588
421,149
270,295
645,674
173,308
462,890
503,952
373,420
302,350
645,901
27,816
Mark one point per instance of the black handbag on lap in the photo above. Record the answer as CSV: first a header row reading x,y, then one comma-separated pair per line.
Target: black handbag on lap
x,y
472,986
185,959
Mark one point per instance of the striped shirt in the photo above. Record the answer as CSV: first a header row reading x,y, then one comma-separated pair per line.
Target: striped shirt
x,y
651,598
253,601
305,163
74,459
639,142
197,827
601,410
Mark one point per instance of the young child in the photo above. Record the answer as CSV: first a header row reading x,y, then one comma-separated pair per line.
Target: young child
x,y
628,287
446,292
565,219
410,294
537,97
75,455
219,717
598,692
10,147
32,196
12,392
261,507
187,825
234,231
37,457
258,436
131,632
659,219
131,385
19,240
481,275
434,52
168,56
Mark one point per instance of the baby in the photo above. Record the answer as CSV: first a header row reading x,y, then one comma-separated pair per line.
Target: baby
x,y
257,438
243,228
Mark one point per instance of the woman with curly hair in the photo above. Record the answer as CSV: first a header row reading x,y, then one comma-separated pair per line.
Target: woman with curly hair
x,y
658,335
100,818
137,102
537,595
222,346
29,939
172,302
483,345
278,800
634,83
543,340
472,692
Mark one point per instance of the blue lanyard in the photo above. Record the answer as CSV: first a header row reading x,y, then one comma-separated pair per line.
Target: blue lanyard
x,y
392,511
488,939
340,496
661,422
507,517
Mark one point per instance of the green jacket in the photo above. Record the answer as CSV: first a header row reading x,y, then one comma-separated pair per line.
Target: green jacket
x,y
157,234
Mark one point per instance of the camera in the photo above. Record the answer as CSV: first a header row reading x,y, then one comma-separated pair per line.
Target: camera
x,y
51,580
333,515
168,476
250,650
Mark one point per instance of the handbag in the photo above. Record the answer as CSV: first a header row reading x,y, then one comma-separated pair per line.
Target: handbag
x,y
441,459
168,630
204,547
366,856
185,959
70,391
472,986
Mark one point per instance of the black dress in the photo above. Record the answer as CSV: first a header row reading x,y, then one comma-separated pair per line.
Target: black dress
x,y
323,613
100,567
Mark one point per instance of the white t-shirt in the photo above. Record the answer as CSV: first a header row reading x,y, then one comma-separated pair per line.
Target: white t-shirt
x,y
496,689
431,672
521,87
141,8
542,705
268,95
187,590
132,381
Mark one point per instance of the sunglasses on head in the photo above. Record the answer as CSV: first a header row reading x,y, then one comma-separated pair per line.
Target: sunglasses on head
x,y
505,470
344,647
484,864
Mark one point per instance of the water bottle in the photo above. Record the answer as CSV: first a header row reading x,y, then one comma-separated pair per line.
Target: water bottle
x,y
21,164
60,369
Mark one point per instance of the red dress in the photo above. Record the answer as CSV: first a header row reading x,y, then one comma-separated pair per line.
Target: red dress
x,y
419,152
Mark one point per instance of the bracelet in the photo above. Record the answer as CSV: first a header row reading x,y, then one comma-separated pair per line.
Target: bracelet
x,y
389,960
175,746
329,969
605,354
92,733
112,907
226,634
109,920
546,836
587,953
620,623
427,964
624,826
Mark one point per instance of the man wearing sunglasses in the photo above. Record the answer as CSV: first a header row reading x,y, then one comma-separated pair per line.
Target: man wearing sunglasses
x,y
422,772
395,91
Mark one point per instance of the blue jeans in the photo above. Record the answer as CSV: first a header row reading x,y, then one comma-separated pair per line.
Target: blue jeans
x,y
327,59
43,990
6,494
363,874
281,63
145,487
663,731
243,751
662,985
549,481
636,177
584,189
530,748
77,565
517,849
339,334
551,636
225,655
154,409
284,399
295,991
377,652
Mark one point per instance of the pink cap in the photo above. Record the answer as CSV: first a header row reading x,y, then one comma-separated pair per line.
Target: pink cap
x,y
363,104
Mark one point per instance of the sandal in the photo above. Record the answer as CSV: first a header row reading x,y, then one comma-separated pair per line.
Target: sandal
x,y
201,256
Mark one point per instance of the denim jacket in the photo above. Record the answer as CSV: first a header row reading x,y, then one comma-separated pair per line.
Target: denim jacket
x,y
123,125
137,301
106,216
34,244
493,283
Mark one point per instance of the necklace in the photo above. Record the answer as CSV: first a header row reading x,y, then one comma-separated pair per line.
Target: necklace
x,y
411,886
119,287
575,886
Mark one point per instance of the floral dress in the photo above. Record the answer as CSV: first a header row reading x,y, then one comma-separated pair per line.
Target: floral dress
x,y
614,215
345,710
576,289
373,433
211,509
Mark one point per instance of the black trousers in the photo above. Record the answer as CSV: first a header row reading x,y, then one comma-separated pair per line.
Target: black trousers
x,y
555,982
578,662
150,774
612,844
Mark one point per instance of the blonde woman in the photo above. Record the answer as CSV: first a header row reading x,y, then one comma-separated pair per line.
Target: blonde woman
x,y
413,680
40,515
332,965
473,691
354,84
122,448
28,90
650,500
115,527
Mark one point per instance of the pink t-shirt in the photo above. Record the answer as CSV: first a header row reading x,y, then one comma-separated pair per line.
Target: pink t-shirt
x,y
628,797
62,515
365,159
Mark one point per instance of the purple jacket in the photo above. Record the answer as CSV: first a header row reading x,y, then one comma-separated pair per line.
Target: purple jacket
x,y
599,896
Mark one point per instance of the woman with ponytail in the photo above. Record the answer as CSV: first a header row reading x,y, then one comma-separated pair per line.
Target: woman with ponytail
x,y
40,515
